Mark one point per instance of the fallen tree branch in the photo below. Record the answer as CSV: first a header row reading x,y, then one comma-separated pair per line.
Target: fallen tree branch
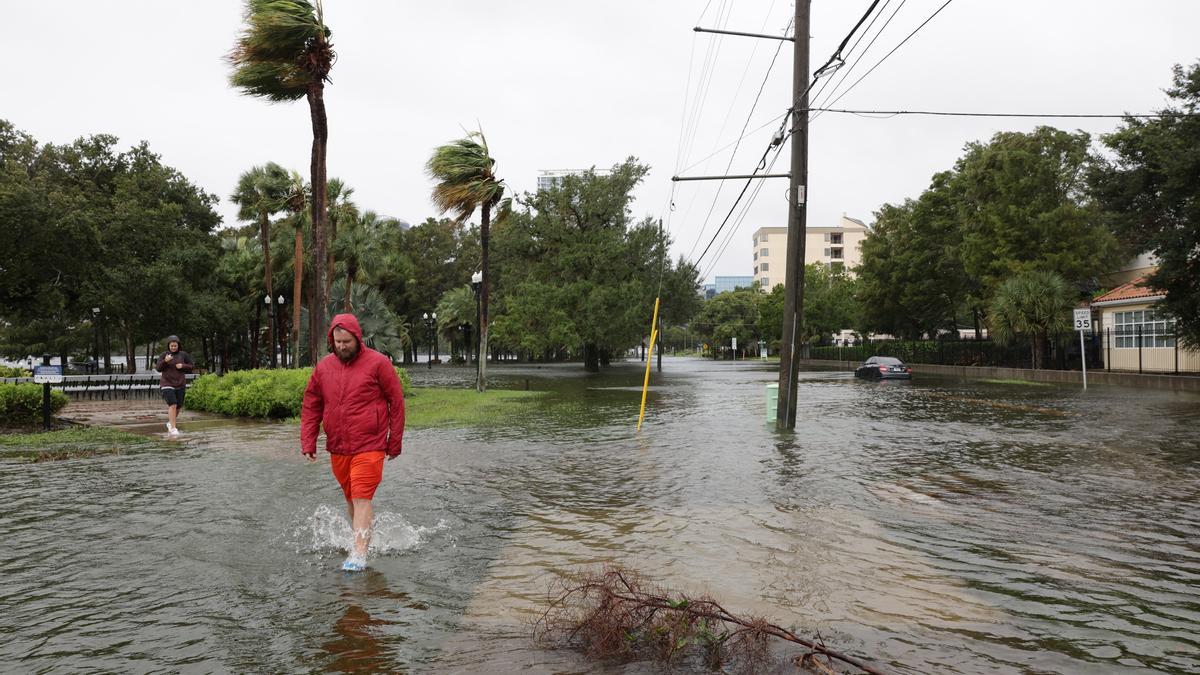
x,y
611,615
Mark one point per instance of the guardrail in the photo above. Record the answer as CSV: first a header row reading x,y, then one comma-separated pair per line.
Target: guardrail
x,y
105,387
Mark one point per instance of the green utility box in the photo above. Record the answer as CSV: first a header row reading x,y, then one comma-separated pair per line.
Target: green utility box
x,y
772,401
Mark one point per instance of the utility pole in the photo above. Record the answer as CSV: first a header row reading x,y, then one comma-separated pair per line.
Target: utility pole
x,y
793,307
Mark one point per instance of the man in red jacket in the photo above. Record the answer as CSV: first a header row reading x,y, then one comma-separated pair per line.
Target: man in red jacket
x,y
356,395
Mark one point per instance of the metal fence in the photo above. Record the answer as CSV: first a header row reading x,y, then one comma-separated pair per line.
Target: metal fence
x,y
104,387
1111,349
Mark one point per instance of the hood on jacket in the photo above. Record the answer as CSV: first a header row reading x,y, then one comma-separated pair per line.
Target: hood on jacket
x,y
173,338
347,322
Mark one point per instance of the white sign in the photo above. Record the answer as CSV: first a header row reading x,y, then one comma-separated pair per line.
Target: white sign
x,y
1083,320
734,343
47,374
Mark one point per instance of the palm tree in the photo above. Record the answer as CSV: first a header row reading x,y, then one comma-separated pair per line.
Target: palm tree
x,y
1034,304
358,247
298,196
341,210
284,54
261,192
466,180
455,309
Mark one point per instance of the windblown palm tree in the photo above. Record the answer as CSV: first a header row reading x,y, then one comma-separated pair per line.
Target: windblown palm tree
x,y
455,309
466,180
1034,304
284,54
261,192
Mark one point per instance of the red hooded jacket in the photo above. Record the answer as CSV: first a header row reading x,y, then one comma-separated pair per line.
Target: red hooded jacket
x,y
360,404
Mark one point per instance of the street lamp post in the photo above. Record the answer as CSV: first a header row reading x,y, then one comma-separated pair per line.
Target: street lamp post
x,y
279,321
271,332
95,340
476,283
430,321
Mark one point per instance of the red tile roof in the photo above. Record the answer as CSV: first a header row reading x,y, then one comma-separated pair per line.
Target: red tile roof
x,y
1131,291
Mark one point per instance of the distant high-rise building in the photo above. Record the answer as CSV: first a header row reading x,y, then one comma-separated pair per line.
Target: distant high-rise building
x,y
552,178
726,284
833,246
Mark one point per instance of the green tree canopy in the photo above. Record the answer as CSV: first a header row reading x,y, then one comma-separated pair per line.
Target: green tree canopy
x,y
1151,189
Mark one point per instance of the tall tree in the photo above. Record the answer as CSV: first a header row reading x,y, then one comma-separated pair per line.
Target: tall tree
x,y
358,249
1033,304
262,192
466,180
284,54
298,196
1151,189
342,209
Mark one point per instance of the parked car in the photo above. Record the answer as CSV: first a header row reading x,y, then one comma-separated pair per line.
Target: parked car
x,y
883,368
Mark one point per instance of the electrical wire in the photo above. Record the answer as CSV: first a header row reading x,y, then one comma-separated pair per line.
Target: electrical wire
x,y
887,114
846,73
893,51
733,155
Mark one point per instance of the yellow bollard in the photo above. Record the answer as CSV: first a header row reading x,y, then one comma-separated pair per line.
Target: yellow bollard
x,y
649,360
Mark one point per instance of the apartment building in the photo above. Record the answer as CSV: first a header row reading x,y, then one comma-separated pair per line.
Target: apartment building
x,y
837,246
552,178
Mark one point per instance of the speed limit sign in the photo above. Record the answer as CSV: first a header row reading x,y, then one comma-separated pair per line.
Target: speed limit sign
x,y
1083,320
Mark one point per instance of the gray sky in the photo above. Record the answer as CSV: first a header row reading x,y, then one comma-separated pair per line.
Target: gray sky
x,y
559,84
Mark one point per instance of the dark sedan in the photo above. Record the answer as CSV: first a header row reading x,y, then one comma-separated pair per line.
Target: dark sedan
x,y
883,368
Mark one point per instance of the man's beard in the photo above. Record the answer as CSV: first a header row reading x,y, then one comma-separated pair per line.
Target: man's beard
x,y
346,355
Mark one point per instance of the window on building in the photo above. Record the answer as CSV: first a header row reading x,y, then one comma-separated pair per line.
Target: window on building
x,y
835,238
1154,329
835,253
756,269
826,237
765,283
764,267
764,237
837,265
764,252
755,244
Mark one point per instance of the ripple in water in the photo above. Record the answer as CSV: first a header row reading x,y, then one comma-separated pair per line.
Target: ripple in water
x,y
328,530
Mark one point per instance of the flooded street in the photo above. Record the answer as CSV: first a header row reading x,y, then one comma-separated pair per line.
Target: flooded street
x,y
931,526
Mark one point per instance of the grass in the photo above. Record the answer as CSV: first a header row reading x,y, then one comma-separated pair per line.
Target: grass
x,y
71,444
1027,383
426,408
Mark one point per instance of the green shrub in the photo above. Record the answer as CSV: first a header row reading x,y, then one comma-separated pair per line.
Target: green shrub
x,y
7,371
275,394
22,403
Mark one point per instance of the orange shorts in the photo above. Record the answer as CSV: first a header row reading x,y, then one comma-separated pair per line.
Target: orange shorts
x,y
358,474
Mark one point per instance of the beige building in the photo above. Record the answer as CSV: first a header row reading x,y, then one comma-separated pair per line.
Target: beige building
x,y
1136,338
838,246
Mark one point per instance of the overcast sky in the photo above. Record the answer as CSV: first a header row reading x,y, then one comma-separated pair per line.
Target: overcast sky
x,y
560,84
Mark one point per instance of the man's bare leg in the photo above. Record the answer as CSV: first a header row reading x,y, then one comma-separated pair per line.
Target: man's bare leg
x,y
172,412
360,521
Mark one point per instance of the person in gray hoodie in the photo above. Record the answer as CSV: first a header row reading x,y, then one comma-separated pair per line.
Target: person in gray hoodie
x,y
174,364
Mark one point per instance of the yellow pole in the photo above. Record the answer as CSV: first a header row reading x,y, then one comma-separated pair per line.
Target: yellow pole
x,y
649,360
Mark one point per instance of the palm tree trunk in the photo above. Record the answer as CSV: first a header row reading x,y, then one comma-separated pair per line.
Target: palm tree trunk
x,y
485,222
298,266
320,125
350,274
264,224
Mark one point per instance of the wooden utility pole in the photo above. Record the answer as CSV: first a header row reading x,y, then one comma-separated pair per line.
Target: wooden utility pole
x,y
793,308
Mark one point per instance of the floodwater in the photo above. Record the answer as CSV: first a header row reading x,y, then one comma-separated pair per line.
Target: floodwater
x,y
931,526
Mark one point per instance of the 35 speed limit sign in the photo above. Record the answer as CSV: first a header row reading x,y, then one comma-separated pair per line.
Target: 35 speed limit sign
x,y
1083,320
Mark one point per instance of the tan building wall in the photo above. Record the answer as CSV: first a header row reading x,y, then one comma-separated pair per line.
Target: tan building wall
x,y
1119,321
839,246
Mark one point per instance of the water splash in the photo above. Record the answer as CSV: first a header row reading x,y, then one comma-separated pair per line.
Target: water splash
x,y
328,530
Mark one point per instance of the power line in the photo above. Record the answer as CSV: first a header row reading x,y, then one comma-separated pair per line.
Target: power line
x,y
885,56
780,136
717,195
845,74
885,114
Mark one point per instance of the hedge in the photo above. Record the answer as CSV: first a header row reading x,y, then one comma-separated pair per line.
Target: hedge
x,y
21,404
9,371
276,394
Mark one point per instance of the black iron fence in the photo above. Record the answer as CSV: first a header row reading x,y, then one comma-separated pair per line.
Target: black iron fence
x,y
1129,349
105,387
